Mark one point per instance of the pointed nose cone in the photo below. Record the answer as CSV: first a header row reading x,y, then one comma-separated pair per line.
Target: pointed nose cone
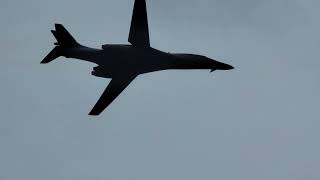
x,y
228,67
223,66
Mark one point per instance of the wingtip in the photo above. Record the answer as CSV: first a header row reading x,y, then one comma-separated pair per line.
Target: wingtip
x,y
57,24
93,113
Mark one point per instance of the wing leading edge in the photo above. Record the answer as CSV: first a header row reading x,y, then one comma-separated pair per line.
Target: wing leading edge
x,y
114,88
139,30
138,37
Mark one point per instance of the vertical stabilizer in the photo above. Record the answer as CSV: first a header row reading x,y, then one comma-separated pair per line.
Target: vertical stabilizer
x,y
63,37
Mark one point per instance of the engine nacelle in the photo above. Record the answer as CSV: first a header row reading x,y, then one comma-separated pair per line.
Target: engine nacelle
x,y
98,72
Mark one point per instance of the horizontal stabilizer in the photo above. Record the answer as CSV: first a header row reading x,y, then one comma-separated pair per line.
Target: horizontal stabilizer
x,y
55,53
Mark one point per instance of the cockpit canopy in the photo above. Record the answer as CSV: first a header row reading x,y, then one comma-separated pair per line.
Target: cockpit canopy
x,y
190,56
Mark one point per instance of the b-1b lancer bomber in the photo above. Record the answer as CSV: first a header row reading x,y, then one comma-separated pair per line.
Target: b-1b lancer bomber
x,y
123,63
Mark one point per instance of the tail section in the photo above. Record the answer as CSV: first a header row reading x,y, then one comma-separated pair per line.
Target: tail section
x,y
55,53
63,37
64,40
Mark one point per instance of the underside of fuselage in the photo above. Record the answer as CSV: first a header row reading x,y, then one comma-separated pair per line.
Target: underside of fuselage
x,y
114,60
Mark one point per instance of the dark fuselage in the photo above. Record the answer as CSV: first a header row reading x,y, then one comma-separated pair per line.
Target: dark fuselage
x,y
115,60
123,63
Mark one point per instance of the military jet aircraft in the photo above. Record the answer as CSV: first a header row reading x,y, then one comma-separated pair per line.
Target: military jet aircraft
x,y
122,62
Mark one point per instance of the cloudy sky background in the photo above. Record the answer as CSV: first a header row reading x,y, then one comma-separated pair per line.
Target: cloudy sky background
x,y
259,121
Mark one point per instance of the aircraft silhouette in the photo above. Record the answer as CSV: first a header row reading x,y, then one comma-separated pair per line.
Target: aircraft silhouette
x,y
122,63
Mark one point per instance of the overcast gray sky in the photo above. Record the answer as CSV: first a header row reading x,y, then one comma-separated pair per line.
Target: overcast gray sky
x,y
259,121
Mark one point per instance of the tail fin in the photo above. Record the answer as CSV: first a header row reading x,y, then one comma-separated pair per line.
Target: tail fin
x,y
64,40
63,37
